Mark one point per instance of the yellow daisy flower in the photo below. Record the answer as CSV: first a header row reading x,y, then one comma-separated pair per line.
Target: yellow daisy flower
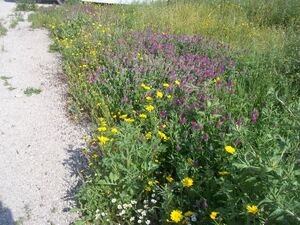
x,y
213,215
229,149
252,209
159,94
187,182
149,108
176,216
101,129
143,116
129,120
169,179
103,140
148,98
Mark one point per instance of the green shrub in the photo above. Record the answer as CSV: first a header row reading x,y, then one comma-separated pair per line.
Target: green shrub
x,y
3,30
26,5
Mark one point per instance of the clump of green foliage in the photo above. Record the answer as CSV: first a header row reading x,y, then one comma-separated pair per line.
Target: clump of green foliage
x,y
26,5
32,91
3,30
16,18
194,105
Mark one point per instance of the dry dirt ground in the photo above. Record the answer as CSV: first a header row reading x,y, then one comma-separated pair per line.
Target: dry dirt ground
x,y
38,143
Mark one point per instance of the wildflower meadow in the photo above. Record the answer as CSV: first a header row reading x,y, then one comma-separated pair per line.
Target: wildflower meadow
x,y
194,116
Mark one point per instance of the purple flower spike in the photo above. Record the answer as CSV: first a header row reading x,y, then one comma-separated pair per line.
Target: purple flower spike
x,y
254,116
205,137
204,205
196,126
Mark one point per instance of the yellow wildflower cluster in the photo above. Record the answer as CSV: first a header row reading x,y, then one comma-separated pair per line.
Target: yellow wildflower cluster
x,y
145,86
163,136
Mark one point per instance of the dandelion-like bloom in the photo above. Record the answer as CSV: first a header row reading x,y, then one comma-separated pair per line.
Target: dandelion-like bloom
x,y
176,216
166,85
217,79
103,140
229,149
213,215
101,129
143,116
148,189
145,86
149,108
187,182
159,94
114,130
169,179
123,116
129,120
252,209
148,98
177,82
163,136
223,173
148,135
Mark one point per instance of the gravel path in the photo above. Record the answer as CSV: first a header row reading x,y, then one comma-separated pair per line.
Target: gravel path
x,y
38,144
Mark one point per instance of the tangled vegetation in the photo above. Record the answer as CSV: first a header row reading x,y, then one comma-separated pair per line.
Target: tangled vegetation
x,y
194,105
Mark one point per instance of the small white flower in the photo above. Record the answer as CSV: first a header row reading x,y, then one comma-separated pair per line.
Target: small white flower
x,y
129,205
103,214
153,195
119,207
124,205
132,219
123,211
144,213
139,210
147,222
153,201
133,202
141,217
194,218
107,220
113,200
145,206
145,201
97,211
139,221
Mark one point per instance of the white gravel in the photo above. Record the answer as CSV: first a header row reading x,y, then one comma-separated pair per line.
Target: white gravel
x,y
38,143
